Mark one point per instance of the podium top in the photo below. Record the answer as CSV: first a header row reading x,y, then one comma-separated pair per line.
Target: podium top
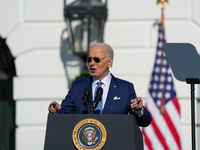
x,y
183,59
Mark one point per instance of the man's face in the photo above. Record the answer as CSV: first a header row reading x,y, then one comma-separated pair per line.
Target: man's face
x,y
99,70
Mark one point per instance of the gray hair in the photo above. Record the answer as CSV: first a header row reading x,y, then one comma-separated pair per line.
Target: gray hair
x,y
110,52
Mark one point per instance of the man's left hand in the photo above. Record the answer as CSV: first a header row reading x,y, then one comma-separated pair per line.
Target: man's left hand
x,y
137,103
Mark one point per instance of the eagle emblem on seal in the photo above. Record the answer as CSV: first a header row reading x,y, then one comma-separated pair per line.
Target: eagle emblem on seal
x,y
89,136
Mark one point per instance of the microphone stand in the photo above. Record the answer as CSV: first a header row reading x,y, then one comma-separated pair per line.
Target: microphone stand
x,y
98,98
92,107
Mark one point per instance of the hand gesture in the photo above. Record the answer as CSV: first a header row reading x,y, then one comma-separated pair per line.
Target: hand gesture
x,y
137,103
54,107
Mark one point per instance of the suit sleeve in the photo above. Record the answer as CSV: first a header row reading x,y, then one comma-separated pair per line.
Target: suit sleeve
x,y
145,119
68,106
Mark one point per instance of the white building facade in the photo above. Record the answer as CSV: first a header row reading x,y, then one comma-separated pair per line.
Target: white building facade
x,y
37,37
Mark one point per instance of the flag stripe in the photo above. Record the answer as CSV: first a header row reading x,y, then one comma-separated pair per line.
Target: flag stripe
x,y
174,115
147,141
159,123
172,129
159,135
176,104
155,143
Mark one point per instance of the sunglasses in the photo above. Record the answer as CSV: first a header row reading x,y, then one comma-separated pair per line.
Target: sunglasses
x,y
96,59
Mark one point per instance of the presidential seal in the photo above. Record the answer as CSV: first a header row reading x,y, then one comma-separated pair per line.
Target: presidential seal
x,y
89,134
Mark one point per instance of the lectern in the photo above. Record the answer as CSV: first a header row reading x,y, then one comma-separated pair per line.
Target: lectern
x,y
92,132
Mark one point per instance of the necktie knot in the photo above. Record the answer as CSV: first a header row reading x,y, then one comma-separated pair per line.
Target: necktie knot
x,y
99,84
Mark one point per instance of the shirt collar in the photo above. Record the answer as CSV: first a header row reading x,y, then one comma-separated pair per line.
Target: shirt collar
x,y
105,80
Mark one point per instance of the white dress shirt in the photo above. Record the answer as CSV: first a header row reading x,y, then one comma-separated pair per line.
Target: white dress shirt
x,y
105,86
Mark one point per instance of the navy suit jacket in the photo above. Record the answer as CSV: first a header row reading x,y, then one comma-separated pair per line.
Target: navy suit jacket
x,y
118,100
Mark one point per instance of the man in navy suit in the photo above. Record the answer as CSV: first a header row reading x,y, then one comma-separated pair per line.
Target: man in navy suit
x,y
118,97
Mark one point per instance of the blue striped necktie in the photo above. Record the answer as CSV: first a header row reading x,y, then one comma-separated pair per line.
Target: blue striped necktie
x,y
98,109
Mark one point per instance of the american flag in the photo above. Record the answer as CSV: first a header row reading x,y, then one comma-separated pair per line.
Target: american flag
x,y
164,132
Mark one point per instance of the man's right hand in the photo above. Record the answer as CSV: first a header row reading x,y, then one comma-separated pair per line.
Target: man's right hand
x,y
54,107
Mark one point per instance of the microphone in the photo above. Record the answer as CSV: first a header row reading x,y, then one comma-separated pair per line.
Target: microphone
x,y
98,96
85,96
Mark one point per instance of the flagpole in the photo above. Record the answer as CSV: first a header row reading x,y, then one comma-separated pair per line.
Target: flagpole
x,y
162,9
162,105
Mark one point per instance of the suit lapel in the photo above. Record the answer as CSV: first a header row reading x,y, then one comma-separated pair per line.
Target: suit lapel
x,y
111,93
